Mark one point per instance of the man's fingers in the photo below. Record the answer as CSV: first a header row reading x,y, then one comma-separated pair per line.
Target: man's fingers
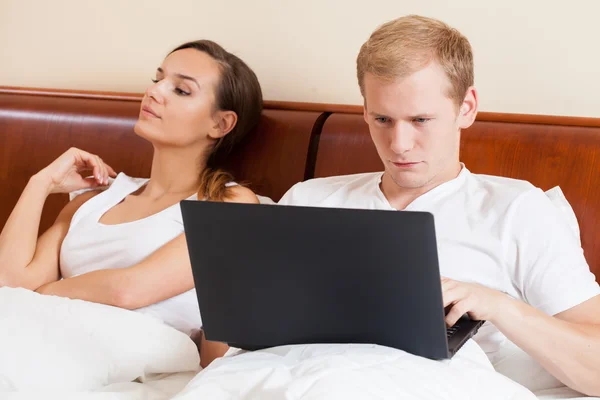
x,y
456,296
456,312
452,296
448,284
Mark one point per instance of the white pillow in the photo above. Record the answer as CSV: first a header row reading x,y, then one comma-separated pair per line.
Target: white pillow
x,y
55,344
519,366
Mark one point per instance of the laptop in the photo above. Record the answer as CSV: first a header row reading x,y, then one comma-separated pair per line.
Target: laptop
x,y
273,275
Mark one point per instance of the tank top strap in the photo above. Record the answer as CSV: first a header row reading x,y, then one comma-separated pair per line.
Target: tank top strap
x,y
121,187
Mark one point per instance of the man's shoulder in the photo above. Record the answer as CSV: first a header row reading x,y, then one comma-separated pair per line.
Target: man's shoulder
x,y
525,201
335,182
317,189
501,191
502,185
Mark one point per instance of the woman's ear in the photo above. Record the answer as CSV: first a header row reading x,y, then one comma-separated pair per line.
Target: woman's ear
x,y
224,122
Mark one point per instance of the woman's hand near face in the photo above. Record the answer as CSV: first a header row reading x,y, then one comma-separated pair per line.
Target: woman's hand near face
x,y
63,175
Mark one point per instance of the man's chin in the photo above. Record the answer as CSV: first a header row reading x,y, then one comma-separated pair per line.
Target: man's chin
x,y
407,179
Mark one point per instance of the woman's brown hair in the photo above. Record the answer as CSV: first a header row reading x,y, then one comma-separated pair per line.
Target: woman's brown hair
x,y
239,91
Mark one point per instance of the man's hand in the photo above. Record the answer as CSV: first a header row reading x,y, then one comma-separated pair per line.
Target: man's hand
x,y
479,302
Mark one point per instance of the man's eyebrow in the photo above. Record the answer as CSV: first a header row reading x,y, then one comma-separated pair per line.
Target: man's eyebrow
x,y
374,114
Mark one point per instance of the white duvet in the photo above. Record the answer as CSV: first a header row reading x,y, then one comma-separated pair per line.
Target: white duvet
x,y
351,372
56,348
53,344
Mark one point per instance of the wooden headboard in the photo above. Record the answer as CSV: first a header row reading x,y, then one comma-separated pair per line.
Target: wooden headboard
x,y
546,151
295,142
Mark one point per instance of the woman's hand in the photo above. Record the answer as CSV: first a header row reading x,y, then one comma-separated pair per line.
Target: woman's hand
x,y
64,174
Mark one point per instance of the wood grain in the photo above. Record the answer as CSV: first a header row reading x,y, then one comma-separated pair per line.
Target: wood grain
x,y
315,107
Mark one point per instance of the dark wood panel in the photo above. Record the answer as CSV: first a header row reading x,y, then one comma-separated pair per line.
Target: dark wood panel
x,y
274,158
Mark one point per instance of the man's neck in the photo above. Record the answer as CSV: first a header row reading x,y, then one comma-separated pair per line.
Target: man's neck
x,y
400,197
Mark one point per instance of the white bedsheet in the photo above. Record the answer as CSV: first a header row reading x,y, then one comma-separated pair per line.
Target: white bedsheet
x,y
159,387
563,393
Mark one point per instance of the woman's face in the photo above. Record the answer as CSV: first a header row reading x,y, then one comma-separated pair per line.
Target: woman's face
x,y
178,108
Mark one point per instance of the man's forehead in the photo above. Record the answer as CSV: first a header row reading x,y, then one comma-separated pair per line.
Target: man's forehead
x,y
415,94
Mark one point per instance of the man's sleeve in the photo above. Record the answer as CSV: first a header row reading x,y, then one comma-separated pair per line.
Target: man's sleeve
x,y
290,197
544,254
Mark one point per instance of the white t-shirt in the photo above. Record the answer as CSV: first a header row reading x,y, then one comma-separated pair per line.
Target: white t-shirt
x,y
503,233
91,245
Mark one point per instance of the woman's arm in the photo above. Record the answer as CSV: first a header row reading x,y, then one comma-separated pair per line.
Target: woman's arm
x,y
19,237
43,267
209,351
25,260
164,274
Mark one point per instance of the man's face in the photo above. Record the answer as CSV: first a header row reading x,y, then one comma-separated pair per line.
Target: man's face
x,y
416,127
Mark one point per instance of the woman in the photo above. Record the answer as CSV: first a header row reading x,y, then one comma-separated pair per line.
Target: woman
x,y
124,246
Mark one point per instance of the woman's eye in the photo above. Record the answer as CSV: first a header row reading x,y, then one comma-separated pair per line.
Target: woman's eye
x,y
181,92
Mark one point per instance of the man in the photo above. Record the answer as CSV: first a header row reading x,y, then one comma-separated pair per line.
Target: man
x,y
506,254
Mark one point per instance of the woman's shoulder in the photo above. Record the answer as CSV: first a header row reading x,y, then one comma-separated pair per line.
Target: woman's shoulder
x,y
76,202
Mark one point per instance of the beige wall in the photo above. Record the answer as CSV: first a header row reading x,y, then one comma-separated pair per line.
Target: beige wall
x,y
532,56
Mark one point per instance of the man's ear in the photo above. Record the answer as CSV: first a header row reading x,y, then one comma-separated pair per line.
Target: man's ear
x,y
224,122
467,111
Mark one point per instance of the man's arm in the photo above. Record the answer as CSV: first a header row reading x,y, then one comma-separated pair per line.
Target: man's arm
x,y
556,318
567,345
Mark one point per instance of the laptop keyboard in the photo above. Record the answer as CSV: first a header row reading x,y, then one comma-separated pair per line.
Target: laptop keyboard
x,y
452,330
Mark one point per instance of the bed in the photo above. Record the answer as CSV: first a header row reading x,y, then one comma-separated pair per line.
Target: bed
x,y
102,352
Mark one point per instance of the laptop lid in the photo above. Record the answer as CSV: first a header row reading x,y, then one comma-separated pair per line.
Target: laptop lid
x,y
270,275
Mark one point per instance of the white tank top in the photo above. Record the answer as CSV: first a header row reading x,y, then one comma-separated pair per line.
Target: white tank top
x,y
91,245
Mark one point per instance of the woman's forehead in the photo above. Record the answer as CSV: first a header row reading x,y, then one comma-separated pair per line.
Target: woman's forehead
x,y
193,63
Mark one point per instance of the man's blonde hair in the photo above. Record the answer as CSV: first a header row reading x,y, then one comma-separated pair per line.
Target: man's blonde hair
x,y
405,45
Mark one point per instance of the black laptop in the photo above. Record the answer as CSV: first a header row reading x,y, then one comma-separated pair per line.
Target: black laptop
x,y
271,275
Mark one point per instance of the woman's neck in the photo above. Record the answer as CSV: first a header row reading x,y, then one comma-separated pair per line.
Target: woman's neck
x,y
174,172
